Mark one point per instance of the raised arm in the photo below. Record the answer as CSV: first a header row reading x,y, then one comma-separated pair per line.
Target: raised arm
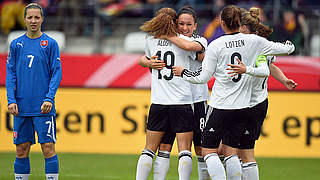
x,y
186,44
275,48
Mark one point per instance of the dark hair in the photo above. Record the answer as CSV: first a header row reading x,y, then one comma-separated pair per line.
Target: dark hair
x,y
163,24
33,6
188,10
231,15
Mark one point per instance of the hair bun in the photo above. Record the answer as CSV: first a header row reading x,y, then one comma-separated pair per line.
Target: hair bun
x,y
255,12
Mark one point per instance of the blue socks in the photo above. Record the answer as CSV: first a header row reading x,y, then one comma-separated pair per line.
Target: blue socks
x,y
52,165
22,166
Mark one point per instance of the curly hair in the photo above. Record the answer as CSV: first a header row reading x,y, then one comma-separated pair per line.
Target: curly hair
x,y
163,24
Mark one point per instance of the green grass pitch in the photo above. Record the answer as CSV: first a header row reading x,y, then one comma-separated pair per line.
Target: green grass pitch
x,y
122,167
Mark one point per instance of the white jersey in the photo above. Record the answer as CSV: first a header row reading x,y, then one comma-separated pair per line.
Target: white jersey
x,y
167,89
259,86
200,92
235,92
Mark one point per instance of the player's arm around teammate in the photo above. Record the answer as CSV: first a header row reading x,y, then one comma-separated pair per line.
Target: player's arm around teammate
x,y
33,77
187,22
170,97
227,111
258,102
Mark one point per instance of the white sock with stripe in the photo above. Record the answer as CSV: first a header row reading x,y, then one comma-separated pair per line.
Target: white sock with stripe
x,y
185,165
202,169
144,164
233,167
161,165
215,167
250,171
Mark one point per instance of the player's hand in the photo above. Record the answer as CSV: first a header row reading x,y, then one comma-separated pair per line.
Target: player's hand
x,y
177,70
290,84
155,63
13,109
237,69
46,107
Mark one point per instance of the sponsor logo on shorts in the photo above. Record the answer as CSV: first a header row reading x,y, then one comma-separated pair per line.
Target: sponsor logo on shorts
x,y
211,130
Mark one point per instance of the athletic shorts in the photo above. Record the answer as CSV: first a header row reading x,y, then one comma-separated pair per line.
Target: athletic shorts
x,y
24,129
199,121
225,125
170,118
256,117
198,125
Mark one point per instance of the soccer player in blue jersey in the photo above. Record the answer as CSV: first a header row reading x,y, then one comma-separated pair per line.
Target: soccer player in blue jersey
x,y
33,77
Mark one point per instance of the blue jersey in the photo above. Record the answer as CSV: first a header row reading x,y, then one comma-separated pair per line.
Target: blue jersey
x,y
33,74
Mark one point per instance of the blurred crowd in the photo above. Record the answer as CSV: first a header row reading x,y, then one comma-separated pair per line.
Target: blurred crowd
x,y
288,18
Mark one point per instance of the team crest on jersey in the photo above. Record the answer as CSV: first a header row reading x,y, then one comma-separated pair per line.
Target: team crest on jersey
x,y
15,134
44,43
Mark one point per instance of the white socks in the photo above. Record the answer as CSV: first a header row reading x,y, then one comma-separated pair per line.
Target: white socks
x,y
233,167
202,169
215,167
185,165
144,164
161,165
52,176
21,176
250,171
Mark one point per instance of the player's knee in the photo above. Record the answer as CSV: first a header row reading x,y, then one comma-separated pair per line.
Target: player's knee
x,y
22,150
246,155
48,150
165,147
198,150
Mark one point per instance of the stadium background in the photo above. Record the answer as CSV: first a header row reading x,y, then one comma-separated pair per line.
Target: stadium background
x,y
103,101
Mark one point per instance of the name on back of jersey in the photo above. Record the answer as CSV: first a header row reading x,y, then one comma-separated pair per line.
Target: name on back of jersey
x,y
233,44
163,42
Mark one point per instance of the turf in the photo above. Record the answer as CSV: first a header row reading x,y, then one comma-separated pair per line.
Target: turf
x,y
123,167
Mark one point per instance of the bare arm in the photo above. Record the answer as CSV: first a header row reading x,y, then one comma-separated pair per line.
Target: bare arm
x,y
185,44
278,75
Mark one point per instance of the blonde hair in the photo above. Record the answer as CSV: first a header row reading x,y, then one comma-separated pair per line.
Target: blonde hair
x,y
251,20
163,24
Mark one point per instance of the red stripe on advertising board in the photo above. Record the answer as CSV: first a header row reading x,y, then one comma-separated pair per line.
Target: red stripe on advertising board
x,y
111,70
128,78
76,69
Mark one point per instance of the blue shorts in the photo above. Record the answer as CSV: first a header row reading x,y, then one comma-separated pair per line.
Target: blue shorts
x,y
24,129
